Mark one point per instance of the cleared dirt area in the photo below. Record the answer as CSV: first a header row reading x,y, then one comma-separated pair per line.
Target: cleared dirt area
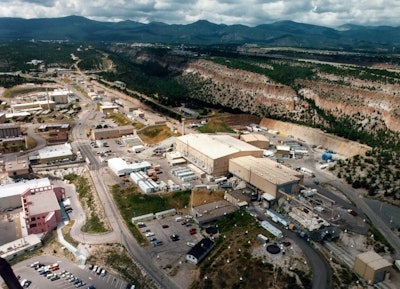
x,y
316,137
155,134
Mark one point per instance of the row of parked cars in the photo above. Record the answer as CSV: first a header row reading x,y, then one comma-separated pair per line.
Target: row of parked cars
x,y
98,270
150,235
49,272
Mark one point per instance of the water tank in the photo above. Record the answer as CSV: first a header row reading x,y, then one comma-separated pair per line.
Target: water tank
x,y
326,156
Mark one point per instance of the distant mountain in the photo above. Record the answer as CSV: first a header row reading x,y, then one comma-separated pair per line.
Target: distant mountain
x,y
282,33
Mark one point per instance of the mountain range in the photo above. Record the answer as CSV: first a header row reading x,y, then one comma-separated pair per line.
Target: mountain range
x,y
282,33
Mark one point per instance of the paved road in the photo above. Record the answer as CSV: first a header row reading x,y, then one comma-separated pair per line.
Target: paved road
x,y
377,222
120,231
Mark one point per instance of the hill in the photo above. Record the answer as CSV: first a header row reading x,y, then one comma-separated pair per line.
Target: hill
x,y
282,33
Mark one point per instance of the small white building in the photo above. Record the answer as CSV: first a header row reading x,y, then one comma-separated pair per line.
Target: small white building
x,y
122,168
200,251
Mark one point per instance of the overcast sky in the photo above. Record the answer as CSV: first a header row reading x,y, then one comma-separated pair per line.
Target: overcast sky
x,y
330,13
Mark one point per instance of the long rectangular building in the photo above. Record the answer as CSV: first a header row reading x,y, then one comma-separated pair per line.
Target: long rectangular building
x,y
211,153
265,174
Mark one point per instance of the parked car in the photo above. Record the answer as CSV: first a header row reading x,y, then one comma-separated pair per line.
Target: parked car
x,y
174,237
165,226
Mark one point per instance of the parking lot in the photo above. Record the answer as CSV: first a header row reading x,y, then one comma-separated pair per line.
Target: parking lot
x,y
172,253
25,271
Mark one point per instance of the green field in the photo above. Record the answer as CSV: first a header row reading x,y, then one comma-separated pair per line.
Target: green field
x,y
214,126
131,204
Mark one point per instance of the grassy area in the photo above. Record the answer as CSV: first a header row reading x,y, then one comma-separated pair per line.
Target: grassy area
x,y
93,224
120,118
138,125
81,90
30,142
131,203
66,234
155,134
214,126
19,90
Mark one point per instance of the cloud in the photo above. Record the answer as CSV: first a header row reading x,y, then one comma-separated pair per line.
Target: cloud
x,y
251,12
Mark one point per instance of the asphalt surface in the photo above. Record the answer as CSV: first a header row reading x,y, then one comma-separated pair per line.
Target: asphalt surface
x,y
82,272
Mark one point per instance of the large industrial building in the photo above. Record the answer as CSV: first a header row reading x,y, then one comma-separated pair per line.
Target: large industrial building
x,y
266,175
211,153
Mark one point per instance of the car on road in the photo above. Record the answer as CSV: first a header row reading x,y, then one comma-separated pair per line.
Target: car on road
x,y
352,212
165,226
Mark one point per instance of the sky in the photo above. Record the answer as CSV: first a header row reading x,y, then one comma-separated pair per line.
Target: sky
x,y
331,13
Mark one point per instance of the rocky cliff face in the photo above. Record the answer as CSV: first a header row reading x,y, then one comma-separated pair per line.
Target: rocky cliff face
x,y
247,91
370,107
343,91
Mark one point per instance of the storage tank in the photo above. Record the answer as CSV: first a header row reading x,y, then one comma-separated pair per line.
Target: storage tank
x,y
326,156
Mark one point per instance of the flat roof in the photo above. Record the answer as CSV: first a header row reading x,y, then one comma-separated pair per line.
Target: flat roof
x,y
38,206
254,137
268,169
19,188
9,125
216,146
55,151
373,260
19,245
17,165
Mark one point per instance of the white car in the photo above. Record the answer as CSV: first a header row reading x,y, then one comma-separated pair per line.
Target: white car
x,y
149,234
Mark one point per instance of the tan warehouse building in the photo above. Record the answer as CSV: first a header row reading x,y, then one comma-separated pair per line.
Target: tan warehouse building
x,y
112,132
371,267
211,153
266,175
256,139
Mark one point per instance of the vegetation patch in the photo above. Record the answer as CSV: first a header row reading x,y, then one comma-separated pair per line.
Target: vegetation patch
x,y
120,118
19,90
214,126
66,233
231,264
94,224
117,259
131,203
155,134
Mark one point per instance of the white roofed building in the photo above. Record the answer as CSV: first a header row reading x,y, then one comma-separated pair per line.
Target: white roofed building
x,y
54,153
211,153
10,194
122,168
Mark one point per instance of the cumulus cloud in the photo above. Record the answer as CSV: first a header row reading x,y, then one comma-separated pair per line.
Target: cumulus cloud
x,y
251,12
